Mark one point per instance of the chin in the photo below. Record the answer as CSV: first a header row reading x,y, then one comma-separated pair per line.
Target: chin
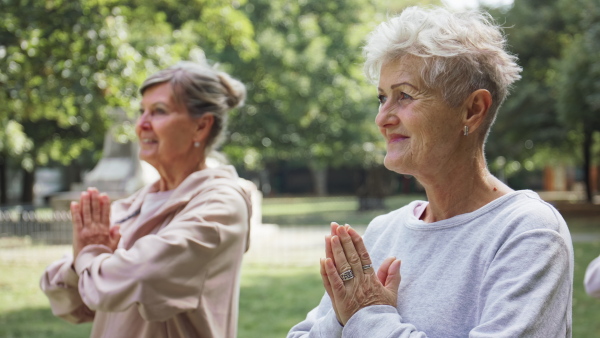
x,y
396,164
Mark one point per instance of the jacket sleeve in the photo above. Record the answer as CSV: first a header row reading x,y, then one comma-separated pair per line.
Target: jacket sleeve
x,y
164,274
526,292
59,283
592,278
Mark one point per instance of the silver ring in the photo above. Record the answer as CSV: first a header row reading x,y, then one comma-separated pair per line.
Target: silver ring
x,y
367,266
346,275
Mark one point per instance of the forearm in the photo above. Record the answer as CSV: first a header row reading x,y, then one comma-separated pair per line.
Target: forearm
x,y
59,284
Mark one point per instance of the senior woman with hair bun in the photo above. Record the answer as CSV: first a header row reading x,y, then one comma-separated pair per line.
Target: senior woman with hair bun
x,y
478,258
164,262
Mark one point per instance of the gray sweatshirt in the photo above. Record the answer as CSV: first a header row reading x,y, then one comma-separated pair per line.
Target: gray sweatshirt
x,y
504,270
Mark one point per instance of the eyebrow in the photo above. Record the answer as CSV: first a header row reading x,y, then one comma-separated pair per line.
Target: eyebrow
x,y
394,86
157,104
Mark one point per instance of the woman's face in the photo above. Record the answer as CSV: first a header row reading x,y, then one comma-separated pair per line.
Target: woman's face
x,y
165,130
421,131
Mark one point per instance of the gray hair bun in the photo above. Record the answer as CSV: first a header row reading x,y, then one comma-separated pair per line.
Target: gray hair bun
x,y
236,91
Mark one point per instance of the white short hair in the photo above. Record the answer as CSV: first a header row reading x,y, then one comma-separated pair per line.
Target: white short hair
x,y
461,52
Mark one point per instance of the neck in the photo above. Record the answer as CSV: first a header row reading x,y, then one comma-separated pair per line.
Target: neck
x,y
462,186
173,174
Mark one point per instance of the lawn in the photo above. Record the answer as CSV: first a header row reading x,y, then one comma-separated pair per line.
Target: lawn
x,y
309,211
272,298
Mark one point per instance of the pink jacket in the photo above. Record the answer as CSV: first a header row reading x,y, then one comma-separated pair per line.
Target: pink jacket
x,y
174,274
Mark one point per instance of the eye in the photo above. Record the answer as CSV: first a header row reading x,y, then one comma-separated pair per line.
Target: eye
x,y
404,96
382,99
158,111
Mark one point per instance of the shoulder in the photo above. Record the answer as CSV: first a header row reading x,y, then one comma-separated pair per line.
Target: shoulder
x,y
530,212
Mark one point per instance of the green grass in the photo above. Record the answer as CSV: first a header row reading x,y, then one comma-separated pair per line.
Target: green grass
x,y
273,299
586,309
299,211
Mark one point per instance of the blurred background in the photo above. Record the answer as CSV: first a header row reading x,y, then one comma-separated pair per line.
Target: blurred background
x,y
306,138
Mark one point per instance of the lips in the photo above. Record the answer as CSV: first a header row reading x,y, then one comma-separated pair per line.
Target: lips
x,y
393,138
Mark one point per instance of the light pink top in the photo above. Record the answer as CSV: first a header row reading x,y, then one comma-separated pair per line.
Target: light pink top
x,y
176,271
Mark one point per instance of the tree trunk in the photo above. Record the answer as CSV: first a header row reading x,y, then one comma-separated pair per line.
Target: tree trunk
x,y
319,175
374,188
3,188
587,164
27,187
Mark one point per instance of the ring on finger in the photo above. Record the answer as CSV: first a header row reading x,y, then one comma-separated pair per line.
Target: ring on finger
x,y
366,266
347,275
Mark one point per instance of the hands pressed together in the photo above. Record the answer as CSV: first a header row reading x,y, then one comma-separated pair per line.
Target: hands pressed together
x,y
91,222
361,287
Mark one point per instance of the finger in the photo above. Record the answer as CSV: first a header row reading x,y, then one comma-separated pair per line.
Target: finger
x,y
325,279
393,276
105,206
361,249
115,236
85,208
335,281
328,251
334,227
95,204
382,272
350,251
76,216
341,263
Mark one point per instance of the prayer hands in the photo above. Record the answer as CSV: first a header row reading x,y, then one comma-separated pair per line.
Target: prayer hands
x,y
91,222
345,251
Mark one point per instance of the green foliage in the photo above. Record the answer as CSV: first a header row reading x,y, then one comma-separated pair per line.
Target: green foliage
x,y
68,67
543,119
308,99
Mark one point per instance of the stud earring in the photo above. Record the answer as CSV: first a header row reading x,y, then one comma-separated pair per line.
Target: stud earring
x,y
466,130
196,144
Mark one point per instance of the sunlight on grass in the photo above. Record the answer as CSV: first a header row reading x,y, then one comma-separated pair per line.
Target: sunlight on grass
x,y
295,211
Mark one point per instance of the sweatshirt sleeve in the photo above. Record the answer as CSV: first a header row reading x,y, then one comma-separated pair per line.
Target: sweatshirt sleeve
x,y
59,283
523,294
320,322
592,278
164,274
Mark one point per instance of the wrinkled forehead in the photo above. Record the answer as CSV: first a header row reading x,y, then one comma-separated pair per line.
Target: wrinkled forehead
x,y
401,69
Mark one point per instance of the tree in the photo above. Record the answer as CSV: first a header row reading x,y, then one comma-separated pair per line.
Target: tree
x,y
66,66
308,100
578,82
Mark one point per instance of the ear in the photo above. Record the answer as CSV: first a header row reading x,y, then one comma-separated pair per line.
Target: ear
x,y
204,125
477,106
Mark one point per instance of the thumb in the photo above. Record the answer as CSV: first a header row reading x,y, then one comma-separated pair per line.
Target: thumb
x,y
392,282
115,235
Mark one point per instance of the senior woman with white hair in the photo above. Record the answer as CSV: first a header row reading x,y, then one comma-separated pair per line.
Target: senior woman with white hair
x,y
478,258
164,262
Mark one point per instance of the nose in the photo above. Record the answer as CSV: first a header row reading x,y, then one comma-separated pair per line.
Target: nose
x,y
143,122
386,117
